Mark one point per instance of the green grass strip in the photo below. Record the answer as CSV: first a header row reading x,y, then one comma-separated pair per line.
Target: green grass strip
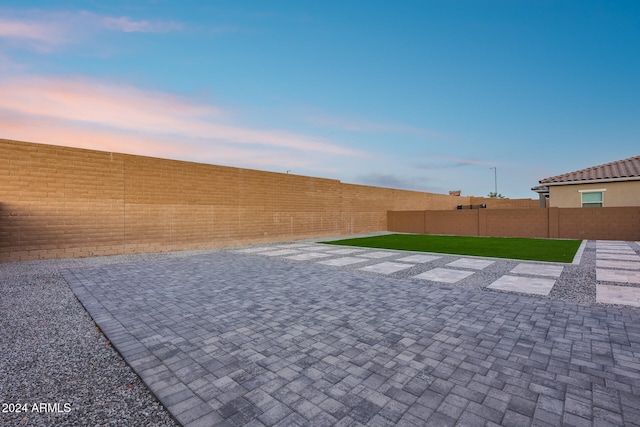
x,y
495,247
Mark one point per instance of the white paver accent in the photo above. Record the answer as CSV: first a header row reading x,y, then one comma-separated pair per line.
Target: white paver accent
x,y
316,248
620,247
280,252
344,251
578,256
616,251
386,267
337,262
610,243
257,249
623,295
621,276
444,275
538,270
619,257
378,254
525,285
294,245
419,258
628,265
476,264
307,256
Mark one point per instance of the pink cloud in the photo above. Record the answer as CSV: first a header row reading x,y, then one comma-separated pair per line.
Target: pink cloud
x,y
54,132
101,115
42,30
129,108
41,35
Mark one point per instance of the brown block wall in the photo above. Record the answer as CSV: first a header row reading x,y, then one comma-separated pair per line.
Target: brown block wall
x,y
493,203
516,223
565,223
60,202
621,223
407,222
454,222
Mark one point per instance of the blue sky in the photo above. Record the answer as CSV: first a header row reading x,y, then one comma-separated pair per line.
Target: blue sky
x,y
421,95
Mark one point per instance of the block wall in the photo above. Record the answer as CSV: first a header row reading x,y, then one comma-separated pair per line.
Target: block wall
x,y
616,223
493,203
58,202
407,221
460,223
517,223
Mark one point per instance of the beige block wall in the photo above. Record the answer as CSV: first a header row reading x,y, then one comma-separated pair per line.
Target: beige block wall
x,y
60,202
617,194
56,202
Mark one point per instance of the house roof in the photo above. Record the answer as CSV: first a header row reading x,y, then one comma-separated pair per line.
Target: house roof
x,y
619,170
541,188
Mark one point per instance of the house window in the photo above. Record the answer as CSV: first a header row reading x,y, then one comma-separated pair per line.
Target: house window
x,y
592,198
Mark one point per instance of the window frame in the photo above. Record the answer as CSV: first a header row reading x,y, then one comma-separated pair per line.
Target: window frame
x,y
592,204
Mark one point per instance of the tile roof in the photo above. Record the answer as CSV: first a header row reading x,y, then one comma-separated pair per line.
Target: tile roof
x,y
541,188
627,168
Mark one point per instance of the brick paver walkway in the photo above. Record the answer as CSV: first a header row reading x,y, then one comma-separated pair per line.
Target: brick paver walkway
x,y
243,339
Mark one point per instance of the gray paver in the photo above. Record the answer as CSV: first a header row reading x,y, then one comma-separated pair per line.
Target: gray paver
x,y
619,257
280,252
473,263
378,254
526,285
444,275
255,249
618,295
228,338
307,256
625,251
419,258
625,265
386,267
347,260
538,269
620,276
344,251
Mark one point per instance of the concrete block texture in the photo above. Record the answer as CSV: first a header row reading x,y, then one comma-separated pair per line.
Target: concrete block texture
x,y
607,223
58,202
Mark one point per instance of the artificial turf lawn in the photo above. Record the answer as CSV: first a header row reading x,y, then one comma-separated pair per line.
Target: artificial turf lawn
x,y
495,247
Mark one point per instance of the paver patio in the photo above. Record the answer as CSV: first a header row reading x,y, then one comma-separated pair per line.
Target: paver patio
x,y
239,338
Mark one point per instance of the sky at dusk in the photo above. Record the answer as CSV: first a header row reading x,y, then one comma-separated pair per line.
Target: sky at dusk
x,y
421,95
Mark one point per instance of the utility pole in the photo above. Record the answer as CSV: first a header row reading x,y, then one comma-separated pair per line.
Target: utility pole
x,y
495,179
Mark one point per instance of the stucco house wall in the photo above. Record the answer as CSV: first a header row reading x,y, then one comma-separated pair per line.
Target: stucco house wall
x,y
618,183
615,194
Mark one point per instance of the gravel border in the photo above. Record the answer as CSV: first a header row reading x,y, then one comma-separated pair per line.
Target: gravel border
x,y
52,353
